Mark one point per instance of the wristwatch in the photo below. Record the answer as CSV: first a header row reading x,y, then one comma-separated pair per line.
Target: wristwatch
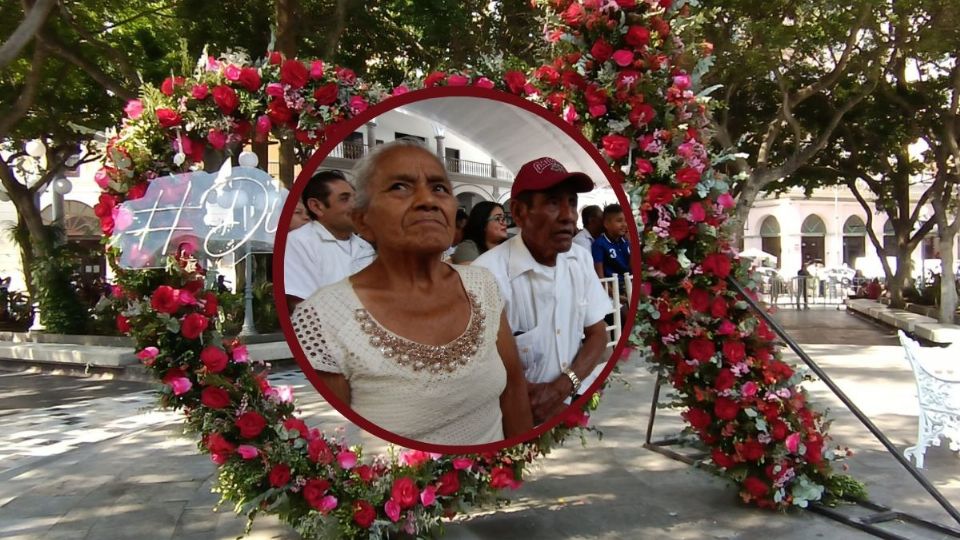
x,y
574,380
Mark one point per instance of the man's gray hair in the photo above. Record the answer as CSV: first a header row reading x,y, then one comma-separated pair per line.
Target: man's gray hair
x,y
366,167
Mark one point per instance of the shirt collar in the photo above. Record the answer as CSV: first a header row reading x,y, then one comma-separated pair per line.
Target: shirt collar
x,y
522,261
325,234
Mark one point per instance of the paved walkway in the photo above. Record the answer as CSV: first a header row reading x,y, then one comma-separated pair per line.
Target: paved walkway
x,y
83,459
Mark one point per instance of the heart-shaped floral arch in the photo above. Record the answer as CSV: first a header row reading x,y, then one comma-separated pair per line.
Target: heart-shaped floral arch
x,y
623,76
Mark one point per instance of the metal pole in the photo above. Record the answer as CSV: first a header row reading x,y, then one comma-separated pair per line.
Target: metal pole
x,y
848,402
249,328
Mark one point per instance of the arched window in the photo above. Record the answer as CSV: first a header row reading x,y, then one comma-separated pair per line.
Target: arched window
x,y
770,237
812,232
854,240
889,239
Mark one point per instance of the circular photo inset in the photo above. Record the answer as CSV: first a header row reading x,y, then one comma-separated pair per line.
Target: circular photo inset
x,y
462,274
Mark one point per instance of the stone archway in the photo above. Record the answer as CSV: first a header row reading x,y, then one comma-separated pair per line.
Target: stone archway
x,y
82,228
770,238
813,233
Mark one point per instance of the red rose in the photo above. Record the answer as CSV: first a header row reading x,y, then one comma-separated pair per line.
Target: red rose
x,y
637,36
434,79
515,81
616,146
601,50
726,408
275,58
722,459
294,73
641,114
165,299
679,229
668,264
214,398
725,380
365,473
217,444
734,351
210,304
250,423
698,418
214,358
291,424
279,475
364,514
193,325
405,492
448,483
572,79
123,324
249,79
659,194
716,264
594,95
137,191
313,491
319,452
750,450
326,94
755,486
719,307
779,430
225,98
278,112
547,74
346,75
170,84
168,118
503,477
644,167
814,453
573,15
701,349
700,300
688,176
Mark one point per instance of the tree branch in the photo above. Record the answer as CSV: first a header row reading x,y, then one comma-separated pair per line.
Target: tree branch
x,y
27,95
868,211
831,78
56,47
121,61
28,27
339,25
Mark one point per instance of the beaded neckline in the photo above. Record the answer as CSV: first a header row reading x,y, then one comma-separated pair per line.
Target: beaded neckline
x,y
419,357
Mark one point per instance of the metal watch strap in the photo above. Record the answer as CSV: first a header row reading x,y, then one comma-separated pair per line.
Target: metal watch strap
x,y
573,379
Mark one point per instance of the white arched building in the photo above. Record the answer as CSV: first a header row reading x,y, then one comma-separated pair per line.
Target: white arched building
x,y
829,226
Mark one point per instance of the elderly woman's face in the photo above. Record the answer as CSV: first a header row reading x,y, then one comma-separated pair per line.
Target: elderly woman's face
x,y
412,207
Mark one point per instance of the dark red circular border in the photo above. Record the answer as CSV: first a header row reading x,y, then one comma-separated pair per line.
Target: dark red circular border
x,y
334,135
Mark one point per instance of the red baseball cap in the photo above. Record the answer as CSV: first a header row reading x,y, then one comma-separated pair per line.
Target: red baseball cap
x,y
544,173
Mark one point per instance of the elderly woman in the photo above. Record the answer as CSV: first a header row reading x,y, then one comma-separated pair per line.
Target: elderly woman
x,y
416,346
486,228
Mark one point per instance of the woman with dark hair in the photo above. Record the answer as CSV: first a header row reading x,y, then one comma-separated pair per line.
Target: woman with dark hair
x,y
486,227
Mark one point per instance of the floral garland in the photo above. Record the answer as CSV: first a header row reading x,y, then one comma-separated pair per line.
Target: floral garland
x,y
626,79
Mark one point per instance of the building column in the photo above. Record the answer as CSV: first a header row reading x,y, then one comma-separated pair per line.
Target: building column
x,y
371,135
493,168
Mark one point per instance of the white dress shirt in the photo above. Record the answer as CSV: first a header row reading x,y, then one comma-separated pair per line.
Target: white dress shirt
x,y
314,258
548,307
584,239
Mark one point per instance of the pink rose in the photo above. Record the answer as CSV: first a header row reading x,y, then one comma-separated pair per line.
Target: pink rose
x,y
749,389
357,104
122,219
726,201
697,213
347,459
133,109
400,90
623,57
247,451
457,80
274,89
462,463
232,73
177,380
199,91
570,114
316,69
263,125
148,354
240,354
484,82
428,496
327,504
392,509
793,443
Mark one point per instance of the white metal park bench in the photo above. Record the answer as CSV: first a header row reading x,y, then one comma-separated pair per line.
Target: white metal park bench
x,y
937,373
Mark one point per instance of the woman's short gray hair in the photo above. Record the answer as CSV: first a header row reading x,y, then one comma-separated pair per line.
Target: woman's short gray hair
x,y
366,167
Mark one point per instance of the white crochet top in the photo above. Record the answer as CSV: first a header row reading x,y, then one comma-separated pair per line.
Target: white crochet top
x,y
453,401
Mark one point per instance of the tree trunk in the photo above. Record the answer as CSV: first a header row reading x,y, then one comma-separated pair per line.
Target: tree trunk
x,y
39,243
900,277
948,278
745,200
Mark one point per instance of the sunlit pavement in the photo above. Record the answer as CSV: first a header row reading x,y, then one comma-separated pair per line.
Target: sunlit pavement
x,y
141,479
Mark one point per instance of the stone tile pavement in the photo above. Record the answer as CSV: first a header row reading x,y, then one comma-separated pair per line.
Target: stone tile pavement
x,y
121,472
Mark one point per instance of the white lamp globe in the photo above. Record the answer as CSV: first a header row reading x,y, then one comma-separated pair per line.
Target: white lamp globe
x,y
62,186
35,148
248,159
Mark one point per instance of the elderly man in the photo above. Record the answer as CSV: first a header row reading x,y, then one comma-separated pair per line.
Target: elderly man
x,y
554,300
325,250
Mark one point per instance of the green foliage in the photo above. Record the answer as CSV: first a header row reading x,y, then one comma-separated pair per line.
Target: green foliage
x,y
61,310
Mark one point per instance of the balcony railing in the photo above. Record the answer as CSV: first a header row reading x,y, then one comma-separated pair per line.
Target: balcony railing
x,y
356,150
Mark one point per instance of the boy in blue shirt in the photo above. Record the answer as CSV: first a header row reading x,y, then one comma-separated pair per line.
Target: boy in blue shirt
x,y
611,250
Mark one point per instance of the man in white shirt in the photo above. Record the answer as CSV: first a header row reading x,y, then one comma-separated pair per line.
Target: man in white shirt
x,y
326,250
554,300
592,218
